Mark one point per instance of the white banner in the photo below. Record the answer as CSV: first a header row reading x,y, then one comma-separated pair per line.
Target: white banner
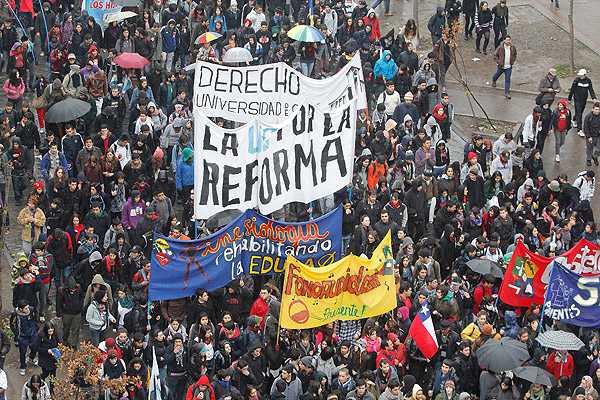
x,y
273,92
266,166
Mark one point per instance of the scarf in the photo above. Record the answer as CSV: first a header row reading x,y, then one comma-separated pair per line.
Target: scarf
x,y
126,302
179,357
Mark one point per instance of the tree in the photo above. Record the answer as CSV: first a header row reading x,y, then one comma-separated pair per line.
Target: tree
x,y
571,37
77,375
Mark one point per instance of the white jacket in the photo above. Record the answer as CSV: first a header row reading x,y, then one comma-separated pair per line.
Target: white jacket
x,y
529,133
586,188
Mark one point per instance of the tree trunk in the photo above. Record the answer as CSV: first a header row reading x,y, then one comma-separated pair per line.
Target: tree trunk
x,y
571,37
416,16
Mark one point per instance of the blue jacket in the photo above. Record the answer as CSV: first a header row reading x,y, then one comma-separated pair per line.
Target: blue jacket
x,y
184,175
385,66
169,39
45,164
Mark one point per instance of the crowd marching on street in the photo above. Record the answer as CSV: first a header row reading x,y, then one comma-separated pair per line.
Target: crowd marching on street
x,y
106,181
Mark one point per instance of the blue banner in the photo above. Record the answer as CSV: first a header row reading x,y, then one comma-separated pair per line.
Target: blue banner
x,y
252,244
572,298
99,8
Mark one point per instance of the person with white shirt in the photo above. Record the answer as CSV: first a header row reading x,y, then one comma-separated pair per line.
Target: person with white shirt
x,y
505,57
390,98
3,385
586,183
122,150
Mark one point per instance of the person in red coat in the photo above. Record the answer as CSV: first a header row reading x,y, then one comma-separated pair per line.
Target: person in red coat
x,y
372,20
202,385
482,290
260,307
392,350
560,363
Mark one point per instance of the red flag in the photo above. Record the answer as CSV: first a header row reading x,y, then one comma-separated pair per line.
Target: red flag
x,y
26,6
522,283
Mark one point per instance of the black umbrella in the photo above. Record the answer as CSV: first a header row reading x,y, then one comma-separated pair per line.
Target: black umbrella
x,y
502,355
67,110
535,375
221,219
484,266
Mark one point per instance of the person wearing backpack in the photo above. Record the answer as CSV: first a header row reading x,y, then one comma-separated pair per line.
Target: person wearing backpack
x,y
586,183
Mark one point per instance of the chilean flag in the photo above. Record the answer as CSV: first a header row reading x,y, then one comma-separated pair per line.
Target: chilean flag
x,y
423,333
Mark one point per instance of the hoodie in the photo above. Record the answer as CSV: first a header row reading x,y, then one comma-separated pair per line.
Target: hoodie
x,y
372,20
424,72
293,389
385,66
98,279
195,389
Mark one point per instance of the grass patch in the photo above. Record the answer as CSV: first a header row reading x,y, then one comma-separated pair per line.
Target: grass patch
x,y
564,70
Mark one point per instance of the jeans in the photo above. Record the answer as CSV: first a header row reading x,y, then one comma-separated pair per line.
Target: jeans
x,y
306,67
6,62
469,24
71,325
579,107
19,185
591,144
507,74
168,58
482,33
26,247
96,336
499,35
176,386
22,353
43,296
345,243
386,3
559,140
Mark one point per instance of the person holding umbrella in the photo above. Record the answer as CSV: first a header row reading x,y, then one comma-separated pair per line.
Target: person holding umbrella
x,y
560,363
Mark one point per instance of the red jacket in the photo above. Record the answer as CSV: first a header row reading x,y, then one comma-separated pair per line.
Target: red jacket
x,y
558,368
478,294
194,389
260,308
374,23
396,357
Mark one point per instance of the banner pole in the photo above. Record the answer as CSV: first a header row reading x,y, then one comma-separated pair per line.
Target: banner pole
x,y
46,26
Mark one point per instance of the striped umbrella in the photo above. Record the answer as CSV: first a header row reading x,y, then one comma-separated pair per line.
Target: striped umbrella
x,y
207,37
305,33
560,340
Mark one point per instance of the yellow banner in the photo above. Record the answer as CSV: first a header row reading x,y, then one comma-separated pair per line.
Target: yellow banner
x,y
351,288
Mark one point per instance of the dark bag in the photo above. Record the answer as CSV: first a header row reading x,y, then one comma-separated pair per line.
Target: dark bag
x,y
538,99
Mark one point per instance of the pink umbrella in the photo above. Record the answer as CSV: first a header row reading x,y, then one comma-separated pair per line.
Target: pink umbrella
x,y
131,60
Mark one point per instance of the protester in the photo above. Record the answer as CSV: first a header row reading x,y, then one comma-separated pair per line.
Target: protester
x,y
113,196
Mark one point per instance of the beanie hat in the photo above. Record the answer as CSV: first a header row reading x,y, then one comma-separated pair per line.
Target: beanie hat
x,y
159,154
187,153
579,390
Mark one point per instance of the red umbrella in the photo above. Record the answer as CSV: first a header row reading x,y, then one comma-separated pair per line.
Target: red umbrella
x,y
131,60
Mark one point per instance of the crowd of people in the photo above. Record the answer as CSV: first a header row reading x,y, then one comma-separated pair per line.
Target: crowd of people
x,y
107,181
